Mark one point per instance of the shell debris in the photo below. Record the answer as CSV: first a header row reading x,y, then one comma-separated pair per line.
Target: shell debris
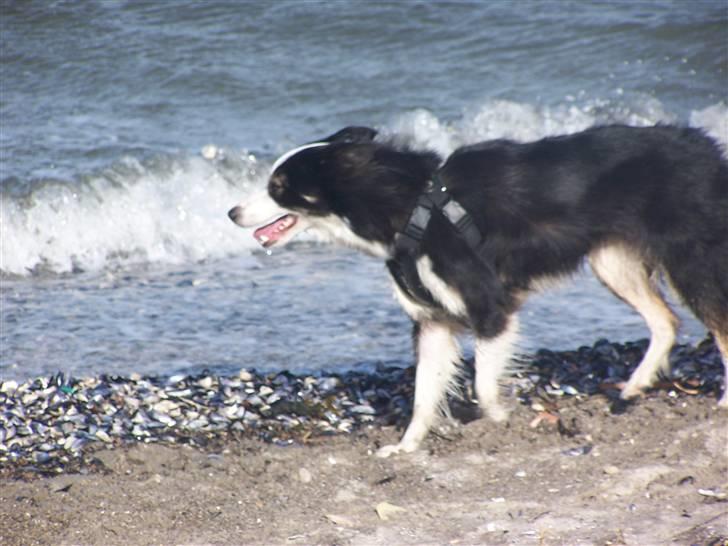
x,y
52,425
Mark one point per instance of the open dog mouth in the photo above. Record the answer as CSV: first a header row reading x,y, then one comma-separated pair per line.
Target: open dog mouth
x,y
270,234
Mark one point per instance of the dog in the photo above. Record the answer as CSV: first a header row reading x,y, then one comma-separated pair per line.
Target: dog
x,y
467,240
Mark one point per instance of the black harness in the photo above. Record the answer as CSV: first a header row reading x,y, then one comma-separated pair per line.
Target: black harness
x,y
403,265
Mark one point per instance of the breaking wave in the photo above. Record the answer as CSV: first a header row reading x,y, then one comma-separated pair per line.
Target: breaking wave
x,y
171,209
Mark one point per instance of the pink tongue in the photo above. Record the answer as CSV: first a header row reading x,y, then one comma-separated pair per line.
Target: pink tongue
x,y
270,233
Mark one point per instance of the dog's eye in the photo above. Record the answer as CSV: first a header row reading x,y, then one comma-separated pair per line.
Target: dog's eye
x,y
277,185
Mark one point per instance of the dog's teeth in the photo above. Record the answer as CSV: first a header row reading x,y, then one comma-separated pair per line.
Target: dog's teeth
x,y
264,238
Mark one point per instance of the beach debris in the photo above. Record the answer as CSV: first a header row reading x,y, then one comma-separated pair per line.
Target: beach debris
x,y
304,475
342,521
52,425
606,365
386,479
714,493
386,510
546,417
578,451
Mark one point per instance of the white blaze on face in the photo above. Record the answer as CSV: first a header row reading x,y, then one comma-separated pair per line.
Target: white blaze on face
x,y
280,225
285,157
257,209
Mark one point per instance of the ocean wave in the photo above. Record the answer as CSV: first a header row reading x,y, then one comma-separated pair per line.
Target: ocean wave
x,y
527,122
172,209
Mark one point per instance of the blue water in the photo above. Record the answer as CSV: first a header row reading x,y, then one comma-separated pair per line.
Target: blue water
x,y
116,254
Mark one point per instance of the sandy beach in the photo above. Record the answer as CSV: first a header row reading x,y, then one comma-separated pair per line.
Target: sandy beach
x,y
655,474
165,380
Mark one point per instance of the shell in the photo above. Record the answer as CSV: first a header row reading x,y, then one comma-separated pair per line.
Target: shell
x,y
51,424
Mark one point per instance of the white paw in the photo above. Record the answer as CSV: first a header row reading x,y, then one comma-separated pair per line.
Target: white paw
x,y
386,451
723,402
497,412
633,390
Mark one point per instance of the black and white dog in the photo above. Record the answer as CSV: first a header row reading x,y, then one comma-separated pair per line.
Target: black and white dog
x,y
466,241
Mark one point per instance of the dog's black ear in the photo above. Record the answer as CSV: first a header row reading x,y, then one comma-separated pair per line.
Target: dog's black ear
x,y
355,157
352,135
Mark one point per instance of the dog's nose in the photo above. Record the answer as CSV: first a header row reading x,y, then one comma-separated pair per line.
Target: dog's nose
x,y
235,213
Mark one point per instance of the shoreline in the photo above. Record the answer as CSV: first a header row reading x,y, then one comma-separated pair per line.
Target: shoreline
x,y
54,425
572,465
653,475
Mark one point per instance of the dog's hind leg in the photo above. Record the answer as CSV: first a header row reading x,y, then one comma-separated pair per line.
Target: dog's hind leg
x,y
625,273
700,277
492,356
437,357
721,340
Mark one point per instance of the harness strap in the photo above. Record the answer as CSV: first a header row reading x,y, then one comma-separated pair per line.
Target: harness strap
x,y
407,242
404,272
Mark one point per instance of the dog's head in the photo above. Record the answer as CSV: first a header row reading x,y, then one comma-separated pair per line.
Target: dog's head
x,y
346,187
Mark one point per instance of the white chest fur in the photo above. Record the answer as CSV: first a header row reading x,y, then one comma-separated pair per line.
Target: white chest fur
x,y
444,294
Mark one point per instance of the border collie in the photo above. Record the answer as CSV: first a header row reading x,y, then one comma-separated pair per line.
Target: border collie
x,y
639,204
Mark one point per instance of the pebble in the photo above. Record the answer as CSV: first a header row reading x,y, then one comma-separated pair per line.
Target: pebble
x,y
715,493
387,511
304,475
343,521
51,425
577,451
9,386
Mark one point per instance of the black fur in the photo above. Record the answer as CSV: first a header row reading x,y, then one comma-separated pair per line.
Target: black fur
x,y
542,207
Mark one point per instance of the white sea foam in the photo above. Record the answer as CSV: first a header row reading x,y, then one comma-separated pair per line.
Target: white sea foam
x,y
527,122
714,121
172,210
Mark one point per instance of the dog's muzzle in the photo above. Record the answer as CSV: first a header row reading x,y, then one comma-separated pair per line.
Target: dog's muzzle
x,y
235,214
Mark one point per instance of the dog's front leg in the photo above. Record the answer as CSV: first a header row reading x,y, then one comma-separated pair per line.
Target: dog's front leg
x,y
437,358
492,356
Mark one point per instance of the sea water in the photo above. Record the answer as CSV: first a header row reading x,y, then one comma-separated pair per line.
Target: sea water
x,y
128,129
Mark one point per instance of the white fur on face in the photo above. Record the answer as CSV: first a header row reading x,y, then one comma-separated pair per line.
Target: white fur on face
x,y
262,208
259,209
336,229
285,157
